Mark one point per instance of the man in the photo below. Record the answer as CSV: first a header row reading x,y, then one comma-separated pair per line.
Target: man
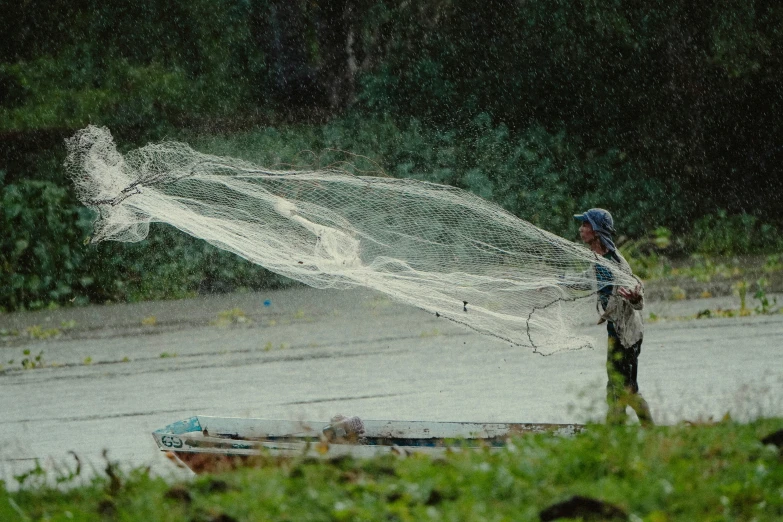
x,y
620,309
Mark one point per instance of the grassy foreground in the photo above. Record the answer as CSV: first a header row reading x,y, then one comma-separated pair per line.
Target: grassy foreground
x,y
701,472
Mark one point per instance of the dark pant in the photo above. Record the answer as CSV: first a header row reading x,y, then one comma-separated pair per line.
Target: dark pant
x,y
622,390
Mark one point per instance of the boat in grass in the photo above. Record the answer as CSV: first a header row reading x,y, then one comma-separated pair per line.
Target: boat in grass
x,y
204,443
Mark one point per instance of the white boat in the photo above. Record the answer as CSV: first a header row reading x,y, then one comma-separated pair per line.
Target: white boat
x,y
205,443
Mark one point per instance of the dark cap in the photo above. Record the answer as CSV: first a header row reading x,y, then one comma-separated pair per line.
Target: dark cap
x,y
602,223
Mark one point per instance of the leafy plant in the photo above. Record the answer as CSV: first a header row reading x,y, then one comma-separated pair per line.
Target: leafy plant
x,y
765,306
773,263
742,292
677,293
233,316
39,333
31,362
724,234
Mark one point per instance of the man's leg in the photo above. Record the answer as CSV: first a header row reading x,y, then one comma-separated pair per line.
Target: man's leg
x,y
615,384
635,399
642,409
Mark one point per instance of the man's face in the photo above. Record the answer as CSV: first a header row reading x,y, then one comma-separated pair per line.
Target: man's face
x,y
586,232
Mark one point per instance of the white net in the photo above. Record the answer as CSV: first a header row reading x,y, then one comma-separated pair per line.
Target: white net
x,y
436,247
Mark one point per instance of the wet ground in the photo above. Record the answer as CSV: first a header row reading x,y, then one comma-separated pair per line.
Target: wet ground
x,y
113,374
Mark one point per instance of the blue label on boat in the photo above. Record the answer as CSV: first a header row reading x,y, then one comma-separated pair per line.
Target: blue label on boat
x,y
183,426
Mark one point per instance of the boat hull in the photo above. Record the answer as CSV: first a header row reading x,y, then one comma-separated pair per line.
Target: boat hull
x,y
204,443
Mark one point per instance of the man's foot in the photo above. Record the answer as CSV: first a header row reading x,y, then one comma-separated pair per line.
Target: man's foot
x,y
642,410
616,416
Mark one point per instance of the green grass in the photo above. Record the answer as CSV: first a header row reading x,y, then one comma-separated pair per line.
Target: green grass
x,y
751,278
701,472
704,268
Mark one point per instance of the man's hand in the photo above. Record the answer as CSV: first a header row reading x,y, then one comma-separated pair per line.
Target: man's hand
x,y
634,296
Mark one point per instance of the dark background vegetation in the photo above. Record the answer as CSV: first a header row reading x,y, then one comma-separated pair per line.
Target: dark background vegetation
x,y
668,113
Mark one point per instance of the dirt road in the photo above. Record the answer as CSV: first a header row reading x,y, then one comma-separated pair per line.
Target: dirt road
x,y
113,374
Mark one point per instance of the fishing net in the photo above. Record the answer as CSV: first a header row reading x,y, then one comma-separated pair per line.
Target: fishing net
x,y
436,247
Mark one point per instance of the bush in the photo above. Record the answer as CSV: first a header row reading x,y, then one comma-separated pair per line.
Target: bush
x,y
722,234
169,264
537,175
56,95
39,250
44,260
541,176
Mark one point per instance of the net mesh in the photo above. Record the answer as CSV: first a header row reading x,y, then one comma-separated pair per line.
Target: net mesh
x,y
436,247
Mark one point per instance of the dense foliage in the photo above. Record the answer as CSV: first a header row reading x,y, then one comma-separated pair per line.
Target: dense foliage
x,y
707,472
668,113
